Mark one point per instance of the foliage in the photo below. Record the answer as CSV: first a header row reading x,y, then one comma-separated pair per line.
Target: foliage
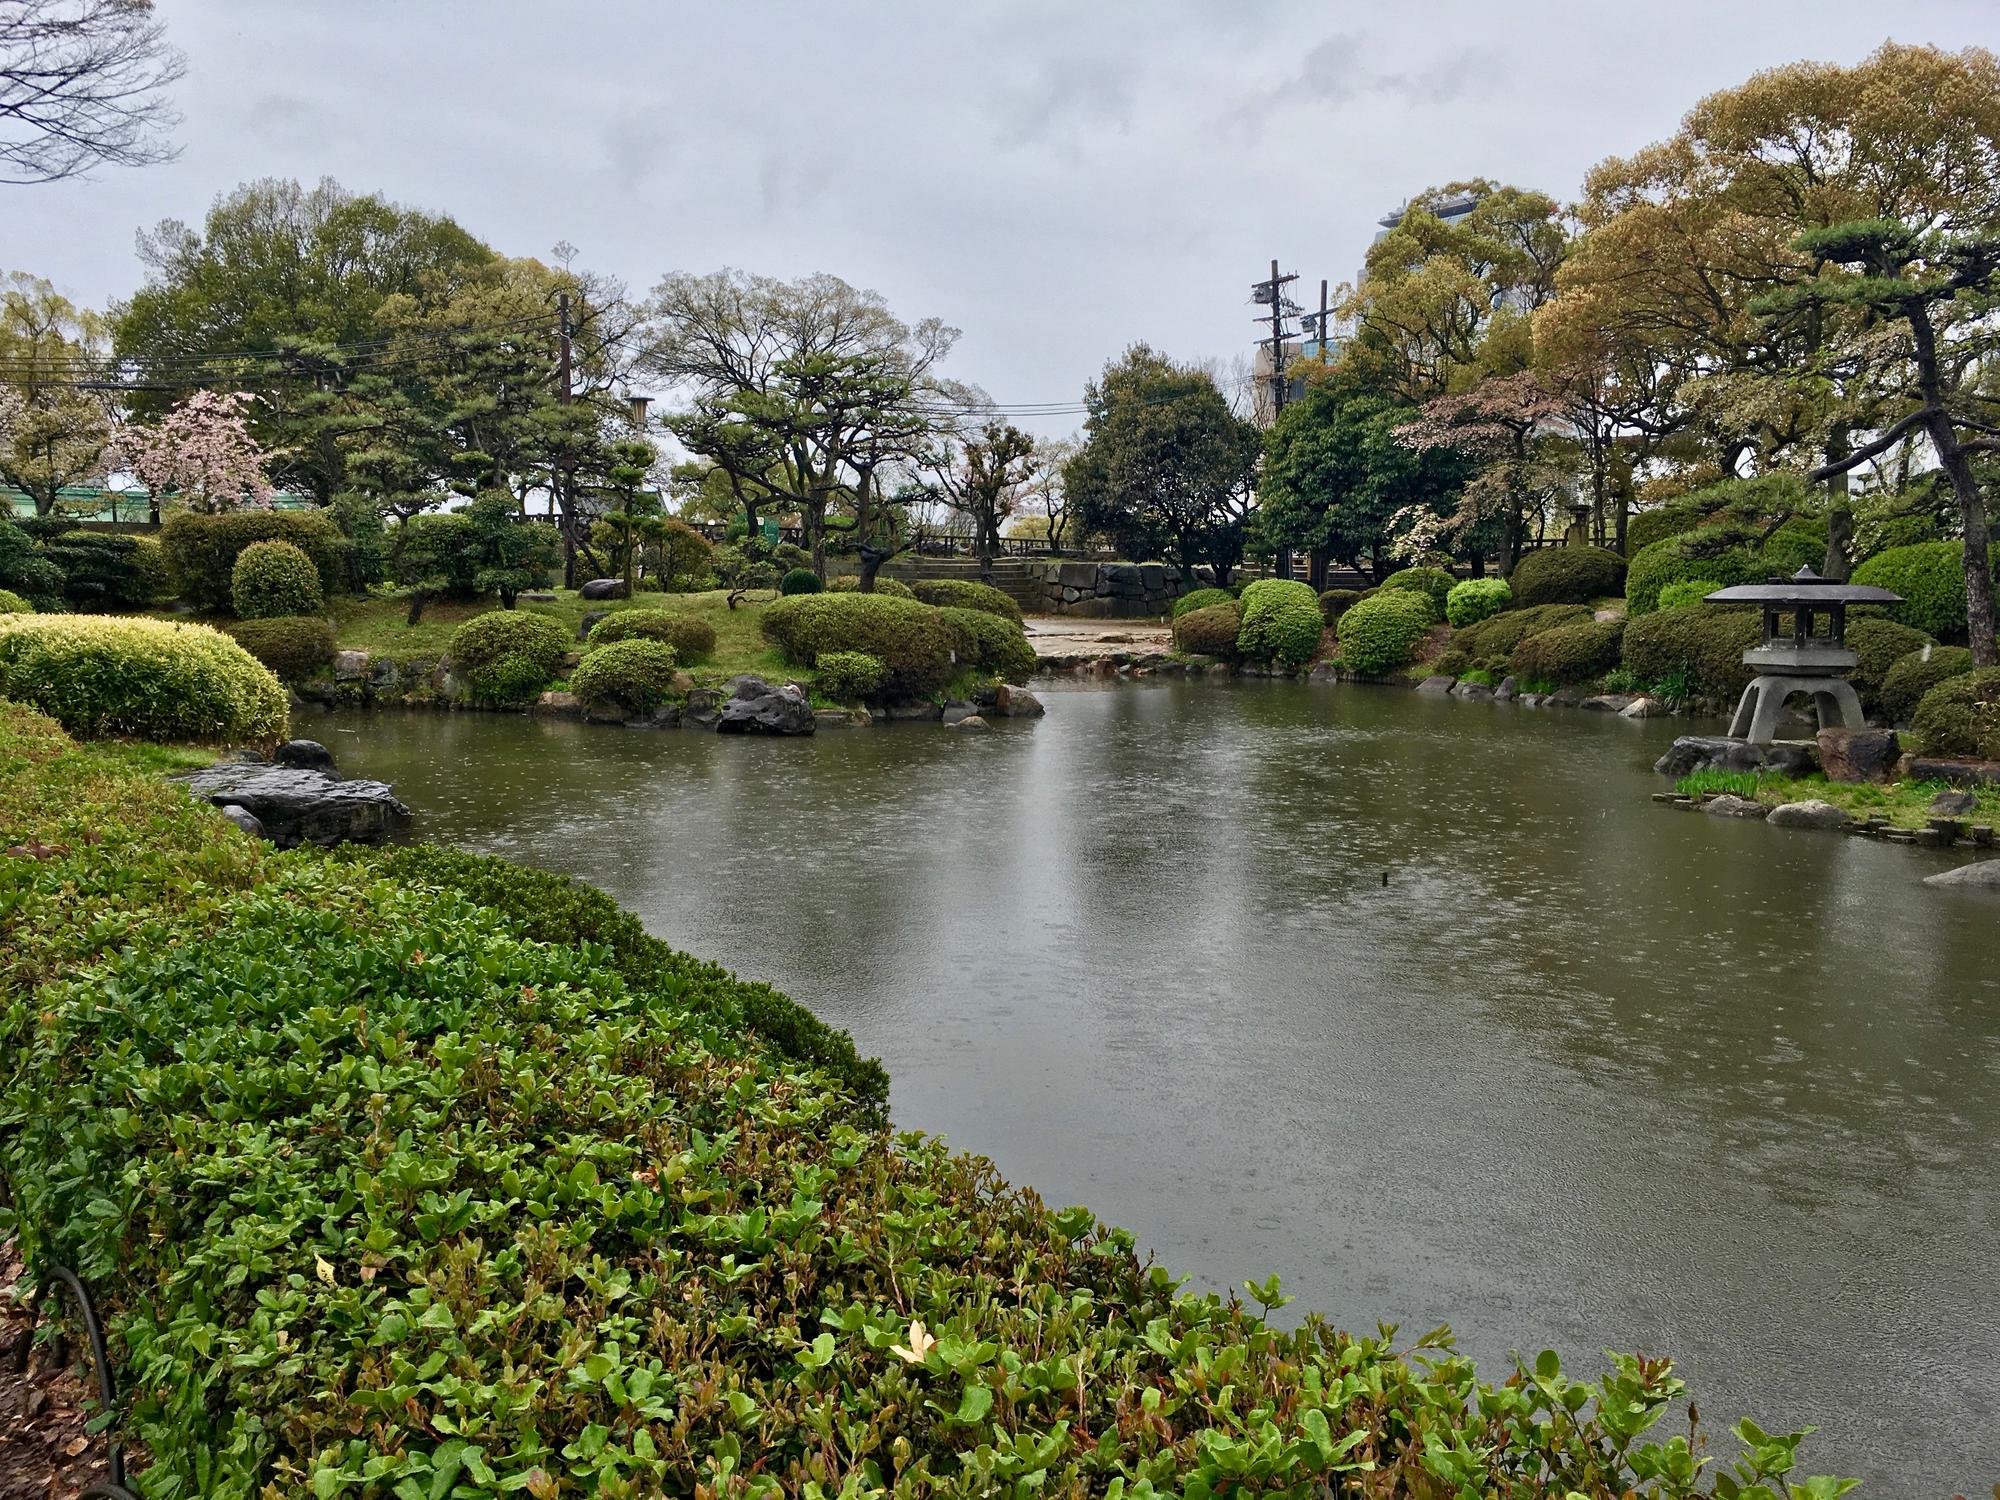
x,y
298,648
1210,630
1499,635
992,476
1711,781
963,593
848,676
201,454
1336,602
507,657
1434,584
1931,578
1475,599
26,569
1760,503
913,641
740,571
1567,575
1567,654
52,434
12,603
145,678
889,588
1726,552
989,643
692,638
1687,591
1381,633
1699,646
274,578
1656,525
800,581
201,550
1878,645
1961,716
1912,676
103,570
1517,436
509,554
681,557
1281,623
631,677
1196,599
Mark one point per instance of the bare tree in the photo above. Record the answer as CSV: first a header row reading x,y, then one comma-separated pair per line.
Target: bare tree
x,y
82,82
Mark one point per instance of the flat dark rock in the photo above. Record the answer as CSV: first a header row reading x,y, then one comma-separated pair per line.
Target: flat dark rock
x,y
755,707
1983,875
297,806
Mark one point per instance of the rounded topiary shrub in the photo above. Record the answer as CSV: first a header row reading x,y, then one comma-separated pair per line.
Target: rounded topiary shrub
x,y
1196,599
274,578
1433,583
913,641
964,593
1476,599
1210,630
297,647
692,637
1879,645
1687,591
1931,578
849,676
1905,684
1650,526
1567,575
989,643
1961,716
888,588
1499,635
1569,654
151,679
800,581
1281,623
628,679
1381,633
1725,554
507,657
201,550
1336,602
12,603
1693,653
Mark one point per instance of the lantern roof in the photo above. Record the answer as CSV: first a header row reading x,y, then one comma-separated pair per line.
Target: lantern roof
x,y
1804,588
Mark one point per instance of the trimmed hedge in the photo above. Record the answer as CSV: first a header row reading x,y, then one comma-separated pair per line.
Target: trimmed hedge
x,y
1727,553
1570,654
150,679
1753,502
913,641
889,588
1476,599
1695,652
1912,676
26,571
631,677
1675,518
1567,575
800,581
298,648
272,579
12,603
1196,599
1210,630
1687,591
1381,633
1931,578
1435,584
962,593
1336,602
1961,716
104,570
692,637
848,676
1879,645
990,643
1499,635
201,550
508,656
1281,623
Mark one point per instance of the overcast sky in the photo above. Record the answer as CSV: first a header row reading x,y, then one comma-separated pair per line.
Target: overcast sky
x,y
1058,180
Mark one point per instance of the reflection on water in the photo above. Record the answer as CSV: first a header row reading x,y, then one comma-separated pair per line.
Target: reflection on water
x,y
1419,1003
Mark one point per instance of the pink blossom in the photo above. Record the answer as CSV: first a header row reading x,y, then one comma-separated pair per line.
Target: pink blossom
x,y
201,454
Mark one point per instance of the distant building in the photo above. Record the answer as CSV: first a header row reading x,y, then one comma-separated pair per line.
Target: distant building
x,y
86,502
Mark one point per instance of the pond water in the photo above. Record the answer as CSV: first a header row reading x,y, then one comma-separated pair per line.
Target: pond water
x,y
1418,1002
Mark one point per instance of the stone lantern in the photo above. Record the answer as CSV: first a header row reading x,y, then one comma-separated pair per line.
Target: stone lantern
x,y
1802,658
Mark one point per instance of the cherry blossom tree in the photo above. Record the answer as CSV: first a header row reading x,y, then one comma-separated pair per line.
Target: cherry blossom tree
x,y
201,454
1516,434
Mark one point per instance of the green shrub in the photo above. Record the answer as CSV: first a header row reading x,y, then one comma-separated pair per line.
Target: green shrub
x,y
1961,716
1698,647
1567,575
1381,633
630,678
1569,654
438,550
298,648
692,637
1649,526
1873,534
1724,553
1499,635
1931,578
888,588
990,643
913,641
150,679
272,579
848,676
1336,602
1435,584
789,557
963,593
1905,684
26,571
507,657
1476,599
800,581
1755,503
1281,623
1210,630
1451,662
1878,645
1687,591
12,603
1196,599
201,549
105,570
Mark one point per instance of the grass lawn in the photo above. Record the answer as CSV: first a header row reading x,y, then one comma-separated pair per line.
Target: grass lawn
x,y
1905,804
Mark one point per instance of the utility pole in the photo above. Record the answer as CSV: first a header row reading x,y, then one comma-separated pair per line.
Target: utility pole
x,y
1271,293
565,463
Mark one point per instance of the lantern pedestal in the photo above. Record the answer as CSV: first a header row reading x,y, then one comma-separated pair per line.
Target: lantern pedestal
x,y
1758,711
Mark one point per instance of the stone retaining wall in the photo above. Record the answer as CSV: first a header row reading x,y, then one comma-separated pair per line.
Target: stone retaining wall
x,y
1101,590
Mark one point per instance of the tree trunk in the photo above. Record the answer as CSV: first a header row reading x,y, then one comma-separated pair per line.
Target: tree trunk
x,y
1839,514
872,559
1979,619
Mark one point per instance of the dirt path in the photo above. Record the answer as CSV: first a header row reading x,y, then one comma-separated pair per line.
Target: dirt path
x,y
1059,635
44,1452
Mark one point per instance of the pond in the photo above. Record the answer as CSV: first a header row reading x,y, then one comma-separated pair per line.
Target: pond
x,y
1417,1002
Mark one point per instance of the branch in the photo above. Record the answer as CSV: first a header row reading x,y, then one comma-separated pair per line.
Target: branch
x,y
1867,451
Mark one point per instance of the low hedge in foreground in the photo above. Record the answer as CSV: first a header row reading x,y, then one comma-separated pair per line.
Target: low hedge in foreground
x,y
692,637
296,647
1281,623
913,641
1912,676
1961,716
1210,630
508,656
149,679
418,1174
965,593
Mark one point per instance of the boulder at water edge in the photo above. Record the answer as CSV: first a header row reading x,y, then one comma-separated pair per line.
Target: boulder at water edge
x,y
1714,752
1983,876
1814,812
296,806
756,707
1858,754
1729,805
